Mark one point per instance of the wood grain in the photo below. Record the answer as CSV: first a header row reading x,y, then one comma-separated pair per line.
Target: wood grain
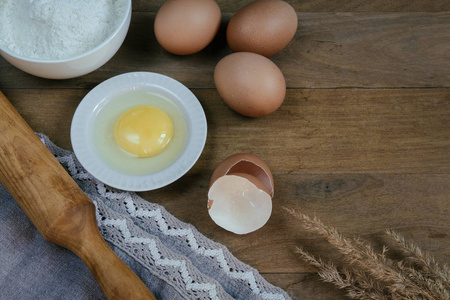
x,y
343,130
362,139
329,50
325,5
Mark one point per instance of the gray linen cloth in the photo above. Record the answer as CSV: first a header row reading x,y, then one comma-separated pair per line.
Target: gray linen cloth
x,y
172,258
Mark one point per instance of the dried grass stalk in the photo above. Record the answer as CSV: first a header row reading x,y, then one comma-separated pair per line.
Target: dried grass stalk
x,y
429,266
357,286
373,275
422,266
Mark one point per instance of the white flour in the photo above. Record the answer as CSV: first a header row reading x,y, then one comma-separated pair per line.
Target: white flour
x,y
57,29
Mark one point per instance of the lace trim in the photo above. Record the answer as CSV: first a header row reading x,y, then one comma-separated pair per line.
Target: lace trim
x,y
170,249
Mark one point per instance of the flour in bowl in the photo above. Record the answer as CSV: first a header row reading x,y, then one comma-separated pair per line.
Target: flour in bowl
x,y
57,29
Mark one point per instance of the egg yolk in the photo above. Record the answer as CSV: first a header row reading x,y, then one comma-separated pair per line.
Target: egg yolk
x,y
143,130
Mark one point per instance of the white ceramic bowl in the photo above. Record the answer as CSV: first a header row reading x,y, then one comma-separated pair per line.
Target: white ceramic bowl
x,y
75,66
84,120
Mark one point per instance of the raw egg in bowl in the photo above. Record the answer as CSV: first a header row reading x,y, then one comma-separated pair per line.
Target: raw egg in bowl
x,y
138,131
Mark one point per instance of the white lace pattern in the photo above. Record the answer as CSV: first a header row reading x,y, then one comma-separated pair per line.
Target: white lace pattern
x,y
154,242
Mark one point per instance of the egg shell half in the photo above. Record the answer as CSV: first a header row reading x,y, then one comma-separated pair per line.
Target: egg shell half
x,y
250,84
185,27
240,194
265,27
248,164
237,205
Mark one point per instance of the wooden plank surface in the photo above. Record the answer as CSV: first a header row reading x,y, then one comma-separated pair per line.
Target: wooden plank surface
x,y
329,50
362,139
326,5
330,130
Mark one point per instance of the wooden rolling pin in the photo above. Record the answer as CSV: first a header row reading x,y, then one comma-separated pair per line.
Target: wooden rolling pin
x,y
58,208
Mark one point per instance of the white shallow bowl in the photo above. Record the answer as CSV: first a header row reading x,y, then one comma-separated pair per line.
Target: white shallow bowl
x,y
82,130
74,66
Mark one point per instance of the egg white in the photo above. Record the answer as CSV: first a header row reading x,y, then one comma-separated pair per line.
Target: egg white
x,y
123,162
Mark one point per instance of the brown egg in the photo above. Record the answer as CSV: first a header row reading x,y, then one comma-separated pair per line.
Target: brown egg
x,y
250,84
264,27
240,193
185,27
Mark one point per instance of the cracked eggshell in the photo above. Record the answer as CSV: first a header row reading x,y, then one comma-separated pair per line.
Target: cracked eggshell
x,y
240,193
248,164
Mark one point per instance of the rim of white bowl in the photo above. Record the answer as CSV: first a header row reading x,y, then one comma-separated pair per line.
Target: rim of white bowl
x,y
128,11
81,133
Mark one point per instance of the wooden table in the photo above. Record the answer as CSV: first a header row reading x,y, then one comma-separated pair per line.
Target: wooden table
x,y
362,139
